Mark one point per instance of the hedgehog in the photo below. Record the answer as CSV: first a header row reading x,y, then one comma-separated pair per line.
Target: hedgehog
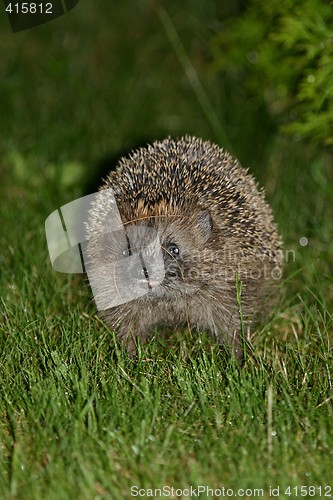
x,y
180,235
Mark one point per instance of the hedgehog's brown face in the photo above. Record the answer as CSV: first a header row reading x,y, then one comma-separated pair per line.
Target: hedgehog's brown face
x,y
183,240
148,258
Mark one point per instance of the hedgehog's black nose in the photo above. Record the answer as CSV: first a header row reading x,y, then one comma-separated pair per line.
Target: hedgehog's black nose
x,y
140,272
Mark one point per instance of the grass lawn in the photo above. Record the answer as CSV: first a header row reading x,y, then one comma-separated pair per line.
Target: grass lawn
x,y
78,418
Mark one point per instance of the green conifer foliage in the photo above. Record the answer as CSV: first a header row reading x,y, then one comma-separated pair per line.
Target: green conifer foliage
x,y
281,53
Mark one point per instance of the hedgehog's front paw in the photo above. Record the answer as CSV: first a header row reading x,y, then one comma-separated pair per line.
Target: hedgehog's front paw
x,y
130,344
131,340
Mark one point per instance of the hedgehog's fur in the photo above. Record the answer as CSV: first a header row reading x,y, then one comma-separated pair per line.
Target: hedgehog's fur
x,y
200,199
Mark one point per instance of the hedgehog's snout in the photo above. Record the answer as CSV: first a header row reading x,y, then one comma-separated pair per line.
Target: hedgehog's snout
x,y
146,266
141,272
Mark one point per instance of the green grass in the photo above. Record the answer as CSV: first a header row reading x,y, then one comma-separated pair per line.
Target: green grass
x,y
78,418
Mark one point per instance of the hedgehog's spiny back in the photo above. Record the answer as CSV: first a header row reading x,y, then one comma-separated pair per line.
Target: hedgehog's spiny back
x,y
185,168
180,174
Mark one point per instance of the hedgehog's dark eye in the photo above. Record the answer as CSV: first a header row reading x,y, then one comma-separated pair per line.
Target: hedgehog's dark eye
x,y
173,249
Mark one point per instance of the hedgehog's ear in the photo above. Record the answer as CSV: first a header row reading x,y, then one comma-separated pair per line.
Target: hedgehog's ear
x,y
205,225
